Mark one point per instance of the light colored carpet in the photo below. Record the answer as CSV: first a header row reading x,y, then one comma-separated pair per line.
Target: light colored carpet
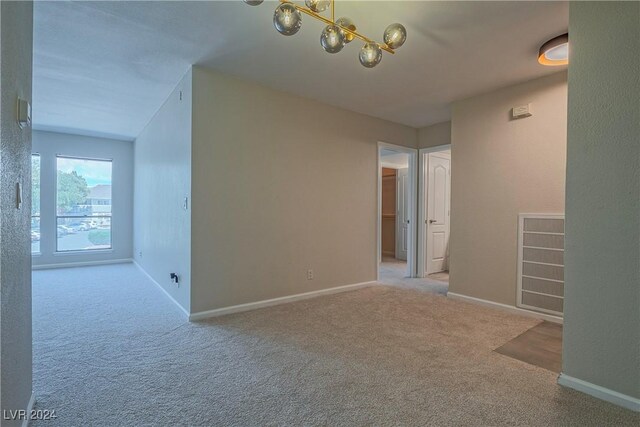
x,y
111,350
442,276
393,272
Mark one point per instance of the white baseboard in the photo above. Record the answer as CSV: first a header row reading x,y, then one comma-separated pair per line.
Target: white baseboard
x,y
30,405
81,264
182,309
275,301
509,308
599,392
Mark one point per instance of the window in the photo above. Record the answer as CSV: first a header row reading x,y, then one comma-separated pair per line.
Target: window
x,y
35,203
83,204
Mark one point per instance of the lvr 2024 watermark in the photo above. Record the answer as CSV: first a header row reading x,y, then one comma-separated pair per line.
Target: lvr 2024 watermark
x,y
34,414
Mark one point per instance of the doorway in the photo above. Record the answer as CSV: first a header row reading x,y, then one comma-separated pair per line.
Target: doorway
x,y
397,184
435,212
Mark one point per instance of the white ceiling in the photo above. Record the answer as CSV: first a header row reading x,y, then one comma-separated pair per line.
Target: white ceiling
x,y
104,68
393,159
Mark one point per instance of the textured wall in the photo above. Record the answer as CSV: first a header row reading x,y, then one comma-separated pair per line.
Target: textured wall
x,y
162,227
50,144
500,168
281,184
434,135
602,256
16,20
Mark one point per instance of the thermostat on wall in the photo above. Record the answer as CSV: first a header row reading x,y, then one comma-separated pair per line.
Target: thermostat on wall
x,y
521,111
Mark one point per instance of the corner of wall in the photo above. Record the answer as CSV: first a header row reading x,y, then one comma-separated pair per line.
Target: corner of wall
x,y
435,135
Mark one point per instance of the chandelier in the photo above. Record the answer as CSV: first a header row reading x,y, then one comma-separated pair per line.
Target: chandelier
x,y
287,19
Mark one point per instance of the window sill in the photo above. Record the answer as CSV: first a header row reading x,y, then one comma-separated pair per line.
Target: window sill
x,y
84,252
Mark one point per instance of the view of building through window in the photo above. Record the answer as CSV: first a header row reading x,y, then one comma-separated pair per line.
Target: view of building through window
x,y
83,204
35,203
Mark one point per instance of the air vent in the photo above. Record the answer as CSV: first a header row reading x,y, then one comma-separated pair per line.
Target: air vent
x,y
541,263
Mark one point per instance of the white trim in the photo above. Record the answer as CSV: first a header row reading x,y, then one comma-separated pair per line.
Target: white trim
x,y
505,307
542,293
545,233
422,206
530,215
81,264
413,188
182,309
435,148
542,249
30,405
600,392
83,252
542,263
542,278
422,214
275,301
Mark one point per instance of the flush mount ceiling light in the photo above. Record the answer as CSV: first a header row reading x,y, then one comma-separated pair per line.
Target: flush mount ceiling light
x,y
287,19
555,51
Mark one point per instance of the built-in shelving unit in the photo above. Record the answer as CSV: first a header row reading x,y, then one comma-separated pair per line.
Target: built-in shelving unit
x,y
541,263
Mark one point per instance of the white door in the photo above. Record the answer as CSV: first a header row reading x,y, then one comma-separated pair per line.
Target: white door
x,y
402,214
438,200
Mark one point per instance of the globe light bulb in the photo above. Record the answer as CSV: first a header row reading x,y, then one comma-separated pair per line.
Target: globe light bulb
x,y
318,5
395,35
331,39
287,19
348,24
253,2
370,55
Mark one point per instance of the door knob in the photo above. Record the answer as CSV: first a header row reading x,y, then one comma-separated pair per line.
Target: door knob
x,y
431,221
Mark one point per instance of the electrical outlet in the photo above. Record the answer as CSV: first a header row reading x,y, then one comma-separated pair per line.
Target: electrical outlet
x,y
309,274
175,279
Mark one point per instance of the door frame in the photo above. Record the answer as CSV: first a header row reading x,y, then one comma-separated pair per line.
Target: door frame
x,y
398,228
422,206
412,253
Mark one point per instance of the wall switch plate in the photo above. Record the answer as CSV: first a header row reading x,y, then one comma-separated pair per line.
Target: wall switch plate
x,y
24,113
18,195
309,274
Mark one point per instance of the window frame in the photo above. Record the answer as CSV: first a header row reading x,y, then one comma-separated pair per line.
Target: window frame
x,y
39,216
57,217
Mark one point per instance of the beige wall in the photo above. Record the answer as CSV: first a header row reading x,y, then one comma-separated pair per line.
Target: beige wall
x,y
434,135
281,184
500,168
602,256
16,30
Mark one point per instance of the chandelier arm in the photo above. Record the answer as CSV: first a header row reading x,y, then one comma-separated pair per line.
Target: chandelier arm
x,y
333,10
332,22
